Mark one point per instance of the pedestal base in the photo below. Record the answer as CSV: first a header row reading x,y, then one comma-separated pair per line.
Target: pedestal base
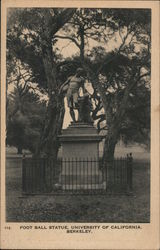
x,y
81,177
80,163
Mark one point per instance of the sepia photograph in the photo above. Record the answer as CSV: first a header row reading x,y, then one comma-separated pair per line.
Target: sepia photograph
x,y
78,115
80,142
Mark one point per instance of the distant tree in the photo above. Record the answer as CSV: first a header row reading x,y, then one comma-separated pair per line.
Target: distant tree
x,y
26,115
16,132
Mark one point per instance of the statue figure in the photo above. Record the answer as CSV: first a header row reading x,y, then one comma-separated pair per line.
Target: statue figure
x,y
74,101
85,108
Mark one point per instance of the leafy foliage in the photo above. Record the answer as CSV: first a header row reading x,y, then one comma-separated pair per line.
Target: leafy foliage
x,y
25,120
118,66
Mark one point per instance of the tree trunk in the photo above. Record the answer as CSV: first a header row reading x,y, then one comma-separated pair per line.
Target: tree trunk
x,y
108,156
81,32
49,143
55,111
109,145
114,124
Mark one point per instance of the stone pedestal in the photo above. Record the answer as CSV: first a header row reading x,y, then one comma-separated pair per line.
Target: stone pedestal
x,y
80,157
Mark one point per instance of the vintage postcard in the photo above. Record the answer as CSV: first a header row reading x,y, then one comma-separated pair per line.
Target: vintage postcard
x,y
80,124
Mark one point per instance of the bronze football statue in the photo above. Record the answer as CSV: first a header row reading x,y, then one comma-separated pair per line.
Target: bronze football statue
x,y
74,101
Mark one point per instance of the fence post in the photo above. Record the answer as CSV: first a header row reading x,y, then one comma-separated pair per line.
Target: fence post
x,y
23,174
129,172
103,165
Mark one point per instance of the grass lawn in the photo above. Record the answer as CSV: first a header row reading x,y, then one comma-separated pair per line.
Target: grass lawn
x,y
72,208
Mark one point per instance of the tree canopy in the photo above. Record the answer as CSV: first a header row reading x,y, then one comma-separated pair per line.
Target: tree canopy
x,y
113,48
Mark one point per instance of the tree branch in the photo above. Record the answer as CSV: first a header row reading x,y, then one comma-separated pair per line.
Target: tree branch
x,y
61,19
69,38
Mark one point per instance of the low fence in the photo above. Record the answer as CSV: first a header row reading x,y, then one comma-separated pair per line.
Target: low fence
x,y
82,176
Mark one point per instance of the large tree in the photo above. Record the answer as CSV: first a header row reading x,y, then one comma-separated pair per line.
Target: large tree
x,y
120,75
30,38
